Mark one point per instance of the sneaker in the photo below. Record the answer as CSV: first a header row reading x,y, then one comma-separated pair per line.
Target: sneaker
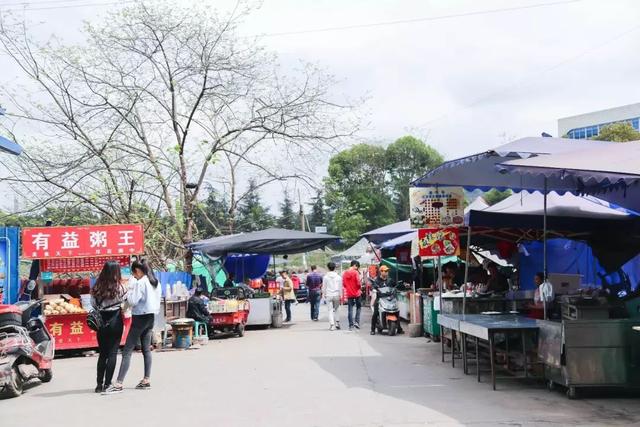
x,y
337,325
332,328
113,389
356,325
143,386
373,332
99,388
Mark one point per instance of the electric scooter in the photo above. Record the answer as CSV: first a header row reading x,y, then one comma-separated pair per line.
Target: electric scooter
x,y
388,310
26,348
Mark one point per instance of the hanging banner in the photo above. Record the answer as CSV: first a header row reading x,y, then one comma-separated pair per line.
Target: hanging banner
x,y
434,242
82,242
75,265
436,207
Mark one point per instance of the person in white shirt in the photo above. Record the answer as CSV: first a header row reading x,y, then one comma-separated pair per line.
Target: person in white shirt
x,y
332,293
144,297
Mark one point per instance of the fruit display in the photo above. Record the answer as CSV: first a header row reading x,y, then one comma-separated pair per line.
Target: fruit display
x,y
60,306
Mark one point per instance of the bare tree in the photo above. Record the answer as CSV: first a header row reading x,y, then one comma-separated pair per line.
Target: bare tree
x,y
159,98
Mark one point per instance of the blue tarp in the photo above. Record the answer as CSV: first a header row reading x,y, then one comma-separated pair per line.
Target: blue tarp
x,y
570,257
251,266
165,277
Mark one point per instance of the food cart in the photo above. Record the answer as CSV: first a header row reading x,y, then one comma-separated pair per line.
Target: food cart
x,y
265,310
75,250
228,316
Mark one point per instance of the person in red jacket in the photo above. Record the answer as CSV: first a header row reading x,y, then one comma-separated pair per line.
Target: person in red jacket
x,y
353,291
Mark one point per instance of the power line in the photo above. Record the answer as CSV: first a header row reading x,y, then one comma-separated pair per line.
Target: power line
x,y
28,3
423,19
30,9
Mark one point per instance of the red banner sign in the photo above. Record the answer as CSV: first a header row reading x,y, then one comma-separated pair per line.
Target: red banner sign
x,y
82,242
70,331
74,265
434,242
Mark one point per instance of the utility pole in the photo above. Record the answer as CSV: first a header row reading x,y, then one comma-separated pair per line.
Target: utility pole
x,y
302,227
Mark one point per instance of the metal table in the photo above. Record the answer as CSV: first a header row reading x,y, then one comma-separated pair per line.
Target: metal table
x,y
452,323
485,327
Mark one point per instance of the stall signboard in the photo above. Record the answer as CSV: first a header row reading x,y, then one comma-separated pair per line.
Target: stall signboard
x,y
436,207
74,265
82,242
434,242
70,331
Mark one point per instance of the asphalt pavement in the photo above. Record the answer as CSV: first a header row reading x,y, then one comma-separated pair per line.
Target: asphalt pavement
x,y
304,375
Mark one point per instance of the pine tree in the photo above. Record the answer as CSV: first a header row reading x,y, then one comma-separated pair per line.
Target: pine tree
x,y
252,215
318,216
288,217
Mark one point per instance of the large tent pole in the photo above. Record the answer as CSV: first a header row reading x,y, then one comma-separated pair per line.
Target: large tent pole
x,y
466,272
441,284
544,246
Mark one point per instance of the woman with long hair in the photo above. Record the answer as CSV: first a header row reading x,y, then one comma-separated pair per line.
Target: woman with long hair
x,y
144,298
107,297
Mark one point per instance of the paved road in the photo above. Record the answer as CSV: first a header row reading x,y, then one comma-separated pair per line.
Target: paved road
x,y
303,375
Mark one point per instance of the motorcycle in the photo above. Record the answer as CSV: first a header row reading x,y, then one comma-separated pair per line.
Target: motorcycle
x,y
388,310
26,348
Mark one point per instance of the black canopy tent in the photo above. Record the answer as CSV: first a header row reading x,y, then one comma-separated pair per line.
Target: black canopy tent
x,y
275,241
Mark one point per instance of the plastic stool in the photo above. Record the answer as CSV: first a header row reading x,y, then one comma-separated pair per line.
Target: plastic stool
x,y
196,329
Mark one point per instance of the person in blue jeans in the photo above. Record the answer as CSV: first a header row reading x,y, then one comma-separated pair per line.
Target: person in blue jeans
x,y
314,286
351,283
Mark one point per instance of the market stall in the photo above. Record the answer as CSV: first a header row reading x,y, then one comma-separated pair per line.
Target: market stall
x,y
71,251
614,242
271,242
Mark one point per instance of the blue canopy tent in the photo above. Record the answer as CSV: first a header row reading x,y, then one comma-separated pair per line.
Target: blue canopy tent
x,y
480,171
611,172
387,232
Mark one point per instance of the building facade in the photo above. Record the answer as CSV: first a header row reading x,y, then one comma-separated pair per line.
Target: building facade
x,y
588,125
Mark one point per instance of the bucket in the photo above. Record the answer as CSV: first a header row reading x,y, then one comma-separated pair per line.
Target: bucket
x,y
182,333
181,337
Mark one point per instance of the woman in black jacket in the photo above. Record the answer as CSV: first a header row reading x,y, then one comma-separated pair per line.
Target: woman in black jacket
x,y
107,296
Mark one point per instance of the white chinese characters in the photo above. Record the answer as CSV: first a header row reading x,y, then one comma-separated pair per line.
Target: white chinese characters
x,y
41,241
98,239
70,240
126,238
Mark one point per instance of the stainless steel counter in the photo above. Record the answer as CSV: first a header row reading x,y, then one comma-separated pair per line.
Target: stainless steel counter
x,y
587,353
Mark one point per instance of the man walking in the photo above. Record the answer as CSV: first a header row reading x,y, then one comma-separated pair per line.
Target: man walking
x,y
353,291
314,286
332,294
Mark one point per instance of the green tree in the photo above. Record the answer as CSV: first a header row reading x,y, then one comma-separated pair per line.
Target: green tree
x,y
408,158
357,191
252,215
618,132
495,196
318,215
288,218
213,218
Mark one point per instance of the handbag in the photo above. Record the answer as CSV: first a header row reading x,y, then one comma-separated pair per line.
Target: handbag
x,y
95,321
